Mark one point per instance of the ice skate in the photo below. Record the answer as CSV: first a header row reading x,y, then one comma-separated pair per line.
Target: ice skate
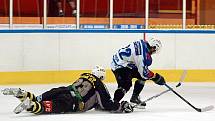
x,y
26,104
136,102
17,92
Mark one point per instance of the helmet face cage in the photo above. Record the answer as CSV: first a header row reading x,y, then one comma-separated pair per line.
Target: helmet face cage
x,y
156,44
99,72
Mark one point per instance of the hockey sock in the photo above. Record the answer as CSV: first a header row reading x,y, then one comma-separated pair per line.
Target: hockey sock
x,y
138,87
119,94
36,108
27,95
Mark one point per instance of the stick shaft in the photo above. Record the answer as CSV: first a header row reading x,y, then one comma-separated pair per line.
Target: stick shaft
x,y
157,95
179,84
197,109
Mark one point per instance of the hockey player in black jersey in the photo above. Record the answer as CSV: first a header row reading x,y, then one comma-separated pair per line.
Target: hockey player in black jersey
x,y
86,93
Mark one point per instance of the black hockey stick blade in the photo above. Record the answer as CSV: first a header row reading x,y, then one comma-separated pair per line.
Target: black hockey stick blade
x,y
182,78
208,108
179,84
197,109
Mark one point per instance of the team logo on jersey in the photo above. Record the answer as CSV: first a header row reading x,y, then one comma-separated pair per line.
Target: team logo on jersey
x,y
47,106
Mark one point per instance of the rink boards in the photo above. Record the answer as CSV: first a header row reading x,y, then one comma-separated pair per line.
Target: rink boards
x,y
47,77
56,56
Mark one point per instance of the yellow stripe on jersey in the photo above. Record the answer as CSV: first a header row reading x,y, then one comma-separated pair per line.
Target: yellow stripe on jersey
x,y
88,76
37,108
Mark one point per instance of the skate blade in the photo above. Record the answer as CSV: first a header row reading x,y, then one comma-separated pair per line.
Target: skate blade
x,y
11,91
18,109
22,106
134,105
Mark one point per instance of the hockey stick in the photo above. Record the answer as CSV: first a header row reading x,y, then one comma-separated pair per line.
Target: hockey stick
x,y
197,109
178,85
182,78
157,95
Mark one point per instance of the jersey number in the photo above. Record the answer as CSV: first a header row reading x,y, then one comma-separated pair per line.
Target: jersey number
x,y
125,52
82,86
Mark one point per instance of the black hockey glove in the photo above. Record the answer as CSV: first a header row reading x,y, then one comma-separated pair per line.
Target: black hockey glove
x,y
158,79
126,107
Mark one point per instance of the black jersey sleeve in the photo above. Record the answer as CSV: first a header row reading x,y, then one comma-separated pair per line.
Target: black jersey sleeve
x,y
103,97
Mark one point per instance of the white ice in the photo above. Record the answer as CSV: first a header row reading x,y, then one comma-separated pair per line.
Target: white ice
x,y
167,107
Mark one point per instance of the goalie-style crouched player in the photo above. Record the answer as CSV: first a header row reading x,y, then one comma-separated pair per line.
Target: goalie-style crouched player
x,y
85,93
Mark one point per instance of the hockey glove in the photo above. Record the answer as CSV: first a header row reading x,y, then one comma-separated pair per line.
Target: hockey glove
x,y
158,79
126,107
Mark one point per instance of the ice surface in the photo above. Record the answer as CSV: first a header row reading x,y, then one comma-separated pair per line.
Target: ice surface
x,y
167,107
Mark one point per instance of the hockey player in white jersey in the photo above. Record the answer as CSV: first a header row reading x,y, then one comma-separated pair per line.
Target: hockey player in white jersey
x,y
132,61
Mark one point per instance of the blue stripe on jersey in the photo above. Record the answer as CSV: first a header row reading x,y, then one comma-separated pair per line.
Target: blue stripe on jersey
x,y
137,47
145,51
120,56
115,61
144,48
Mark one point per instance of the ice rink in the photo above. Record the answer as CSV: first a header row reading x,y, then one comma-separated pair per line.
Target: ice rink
x,y
167,107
